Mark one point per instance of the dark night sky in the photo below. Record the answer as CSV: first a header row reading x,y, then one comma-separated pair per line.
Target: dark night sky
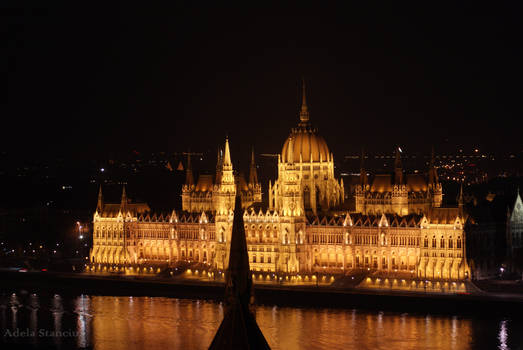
x,y
92,81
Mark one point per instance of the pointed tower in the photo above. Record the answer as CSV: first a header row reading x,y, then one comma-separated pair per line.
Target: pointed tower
x,y
304,112
124,201
100,204
399,196
433,176
226,187
219,161
227,154
398,168
435,188
460,198
189,178
363,172
253,174
238,329
188,187
254,195
359,193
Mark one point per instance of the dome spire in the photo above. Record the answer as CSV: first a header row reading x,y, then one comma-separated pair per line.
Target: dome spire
x,y
304,112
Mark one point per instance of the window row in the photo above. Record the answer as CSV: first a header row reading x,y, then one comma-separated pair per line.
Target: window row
x,y
442,242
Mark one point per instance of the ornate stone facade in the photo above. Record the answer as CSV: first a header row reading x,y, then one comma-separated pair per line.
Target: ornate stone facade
x,y
210,192
398,227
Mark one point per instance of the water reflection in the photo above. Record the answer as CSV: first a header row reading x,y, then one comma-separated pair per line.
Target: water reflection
x,y
116,323
83,323
502,337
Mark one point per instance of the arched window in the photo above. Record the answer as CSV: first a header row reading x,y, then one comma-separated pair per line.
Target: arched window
x,y
458,244
442,242
307,198
451,243
433,241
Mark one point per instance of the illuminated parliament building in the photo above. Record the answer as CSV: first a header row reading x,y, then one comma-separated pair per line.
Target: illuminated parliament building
x,y
398,225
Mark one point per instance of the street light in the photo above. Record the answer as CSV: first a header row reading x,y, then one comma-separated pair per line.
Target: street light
x,y
79,230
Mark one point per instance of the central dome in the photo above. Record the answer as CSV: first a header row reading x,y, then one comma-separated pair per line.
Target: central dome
x,y
305,140
308,144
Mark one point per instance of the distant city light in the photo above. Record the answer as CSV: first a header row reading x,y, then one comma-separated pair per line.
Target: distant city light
x,y
102,170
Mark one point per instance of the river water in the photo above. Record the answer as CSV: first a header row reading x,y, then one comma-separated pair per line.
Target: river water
x,y
115,322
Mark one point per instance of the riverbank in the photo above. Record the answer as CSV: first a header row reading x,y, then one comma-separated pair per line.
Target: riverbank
x,y
482,304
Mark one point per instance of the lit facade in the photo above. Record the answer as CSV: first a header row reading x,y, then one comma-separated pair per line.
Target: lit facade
x,y
398,227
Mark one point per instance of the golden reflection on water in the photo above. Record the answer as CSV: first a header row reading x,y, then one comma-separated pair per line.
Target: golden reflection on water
x,y
114,323
161,323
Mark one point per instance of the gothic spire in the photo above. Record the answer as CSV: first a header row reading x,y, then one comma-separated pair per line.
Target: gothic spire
x,y
363,172
100,205
227,156
398,168
238,329
238,276
123,203
304,112
253,175
460,198
433,175
219,162
189,179
397,160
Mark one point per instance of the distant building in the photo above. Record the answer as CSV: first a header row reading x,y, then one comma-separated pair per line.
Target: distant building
x,y
399,226
515,237
494,228
485,229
